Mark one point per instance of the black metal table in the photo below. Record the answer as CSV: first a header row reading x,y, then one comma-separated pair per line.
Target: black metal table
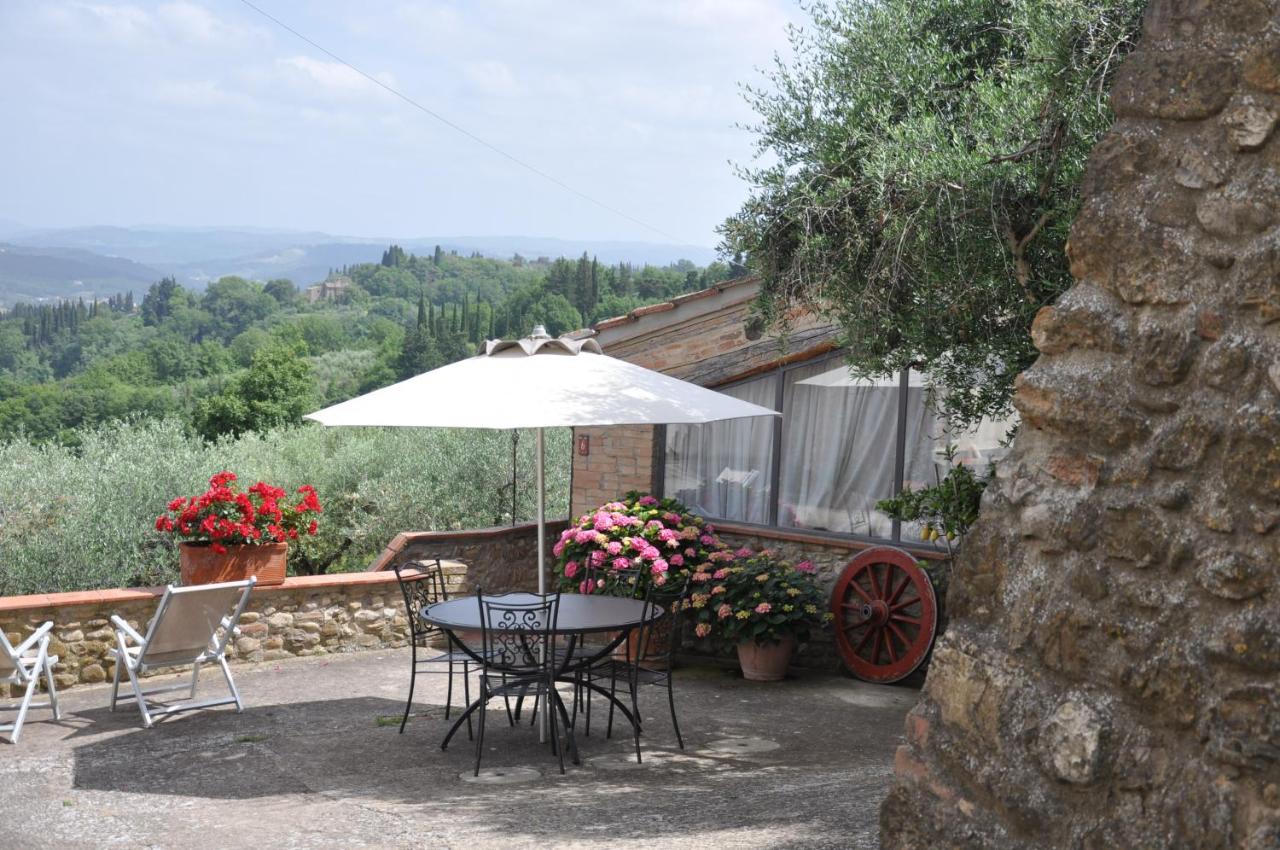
x,y
579,615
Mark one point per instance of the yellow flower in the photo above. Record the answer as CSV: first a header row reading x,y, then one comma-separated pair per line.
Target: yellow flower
x,y
742,615
811,609
788,608
791,591
762,577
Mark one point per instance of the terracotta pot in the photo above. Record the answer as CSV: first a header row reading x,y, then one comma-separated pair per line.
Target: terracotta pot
x,y
201,565
655,657
766,662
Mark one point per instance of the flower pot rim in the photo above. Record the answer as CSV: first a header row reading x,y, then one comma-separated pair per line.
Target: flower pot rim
x,y
204,544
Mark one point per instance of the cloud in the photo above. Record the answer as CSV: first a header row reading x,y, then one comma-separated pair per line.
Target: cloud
x,y
493,78
332,79
193,23
179,23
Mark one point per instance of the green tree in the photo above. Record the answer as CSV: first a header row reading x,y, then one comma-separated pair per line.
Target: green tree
x,y
275,391
922,170
236,304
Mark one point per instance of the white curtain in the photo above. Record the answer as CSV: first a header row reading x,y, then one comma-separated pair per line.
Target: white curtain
x,y
839,440
725,469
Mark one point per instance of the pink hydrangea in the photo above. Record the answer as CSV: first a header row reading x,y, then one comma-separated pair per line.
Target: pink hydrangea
x,y
707,540
571,569
717,590
719,574
655,524
668,534
659,566
689,533
567,533
709,528
647,502
584,537
724,611
621,563
702,630
585,586
690,552
660,579
764,608
677,560
615,506
744,552
597,558
701,576
805,567
670,518
558,549
602,522
614,547
651,554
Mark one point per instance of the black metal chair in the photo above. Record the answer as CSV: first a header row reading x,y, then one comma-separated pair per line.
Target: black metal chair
x,y
662,619
426,587
518,650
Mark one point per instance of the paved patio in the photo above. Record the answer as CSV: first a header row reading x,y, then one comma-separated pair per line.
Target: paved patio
x,y
315,761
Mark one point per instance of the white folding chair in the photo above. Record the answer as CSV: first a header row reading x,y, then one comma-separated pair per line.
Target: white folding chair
x,y
23,666
191,626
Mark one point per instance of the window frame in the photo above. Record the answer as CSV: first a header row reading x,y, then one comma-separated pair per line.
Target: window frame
x,y
775,473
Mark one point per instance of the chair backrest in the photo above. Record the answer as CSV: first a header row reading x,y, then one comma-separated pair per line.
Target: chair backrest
x,y
8,658
663,612
517,634
421,583
187,621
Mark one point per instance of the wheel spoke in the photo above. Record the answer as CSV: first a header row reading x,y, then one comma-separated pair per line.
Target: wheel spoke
x,y
888,642
906,580
915,621
854,584
858,649
901,636
875,647
904,603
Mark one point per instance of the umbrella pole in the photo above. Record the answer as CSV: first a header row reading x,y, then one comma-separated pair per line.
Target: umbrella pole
x,y
542,561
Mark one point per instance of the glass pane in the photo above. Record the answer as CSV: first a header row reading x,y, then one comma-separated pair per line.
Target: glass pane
x,y
927,440
725,469
838,447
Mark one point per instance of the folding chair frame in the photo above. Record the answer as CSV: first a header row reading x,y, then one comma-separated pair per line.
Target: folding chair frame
x,y
132,659
26,674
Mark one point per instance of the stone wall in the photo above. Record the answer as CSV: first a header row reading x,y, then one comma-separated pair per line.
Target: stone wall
x,y
1111,675
307,615
497,559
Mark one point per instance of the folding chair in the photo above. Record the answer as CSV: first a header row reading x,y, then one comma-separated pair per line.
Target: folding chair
x,y
191,626
23,666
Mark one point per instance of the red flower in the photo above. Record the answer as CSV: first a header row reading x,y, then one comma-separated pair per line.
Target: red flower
x,y
315,526
177,503
219,548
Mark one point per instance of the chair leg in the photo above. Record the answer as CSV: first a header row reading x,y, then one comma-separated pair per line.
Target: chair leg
x,y
195,679
466,694
448,697
231,684
115,684
139,696
568,727
671,701
586,695
413,680
480,731
26,703
53,690
634,685
613,691
555,726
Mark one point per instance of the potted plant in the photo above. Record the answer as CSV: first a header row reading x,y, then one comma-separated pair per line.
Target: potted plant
x,y
760,606
661,537
229,535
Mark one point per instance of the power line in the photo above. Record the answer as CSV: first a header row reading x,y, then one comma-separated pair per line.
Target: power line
x,y
551,178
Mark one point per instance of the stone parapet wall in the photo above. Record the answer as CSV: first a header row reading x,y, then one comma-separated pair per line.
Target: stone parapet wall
x,y
497,559
307,615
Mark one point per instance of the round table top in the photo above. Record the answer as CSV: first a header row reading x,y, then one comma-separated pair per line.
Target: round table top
x,y
579,614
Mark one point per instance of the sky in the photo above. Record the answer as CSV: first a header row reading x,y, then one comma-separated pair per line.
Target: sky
x,y
204,112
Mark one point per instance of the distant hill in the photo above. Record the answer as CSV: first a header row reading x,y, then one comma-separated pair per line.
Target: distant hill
x,y
197,255
31,274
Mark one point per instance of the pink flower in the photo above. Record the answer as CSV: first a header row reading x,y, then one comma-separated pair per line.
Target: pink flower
x,y
707,540
660,579
614,547
677,560
647,502
764,608
668,534
603,522
654,523
701,576
702,630
621,563
805,567
584,536
709,528
690,552
585,586
571,569
567,533
558,549
597,558
717,590
719,574
659,566
744,552
651,554
670,518
724,611
690,533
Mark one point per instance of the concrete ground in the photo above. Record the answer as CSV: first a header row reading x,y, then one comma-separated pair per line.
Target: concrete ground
x,y
315,760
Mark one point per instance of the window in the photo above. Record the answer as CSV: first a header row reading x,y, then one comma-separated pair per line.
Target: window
x,y
841,445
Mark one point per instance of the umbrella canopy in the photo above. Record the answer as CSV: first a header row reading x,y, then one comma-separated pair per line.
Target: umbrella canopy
x,y
538,383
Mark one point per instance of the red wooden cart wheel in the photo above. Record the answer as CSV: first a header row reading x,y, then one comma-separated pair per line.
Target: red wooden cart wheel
x,y
885,615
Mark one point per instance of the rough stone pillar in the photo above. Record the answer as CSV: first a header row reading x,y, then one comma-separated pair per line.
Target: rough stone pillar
x,y
1111,676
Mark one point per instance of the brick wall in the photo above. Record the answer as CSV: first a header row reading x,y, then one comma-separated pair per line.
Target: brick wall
x,y
620,459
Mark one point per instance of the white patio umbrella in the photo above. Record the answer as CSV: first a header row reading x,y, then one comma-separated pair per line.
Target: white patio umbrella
x,y
538,383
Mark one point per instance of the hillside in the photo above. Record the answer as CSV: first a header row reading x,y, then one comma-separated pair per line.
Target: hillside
x,y
31,274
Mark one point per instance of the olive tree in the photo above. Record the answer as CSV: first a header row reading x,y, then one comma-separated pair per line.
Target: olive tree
x,y
918,169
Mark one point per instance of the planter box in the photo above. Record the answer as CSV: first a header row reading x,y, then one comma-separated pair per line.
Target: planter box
x,y
199,564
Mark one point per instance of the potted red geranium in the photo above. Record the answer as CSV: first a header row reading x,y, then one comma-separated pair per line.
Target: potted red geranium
x,y
229,535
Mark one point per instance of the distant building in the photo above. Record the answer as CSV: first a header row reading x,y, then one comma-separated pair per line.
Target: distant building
x,y
329,290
